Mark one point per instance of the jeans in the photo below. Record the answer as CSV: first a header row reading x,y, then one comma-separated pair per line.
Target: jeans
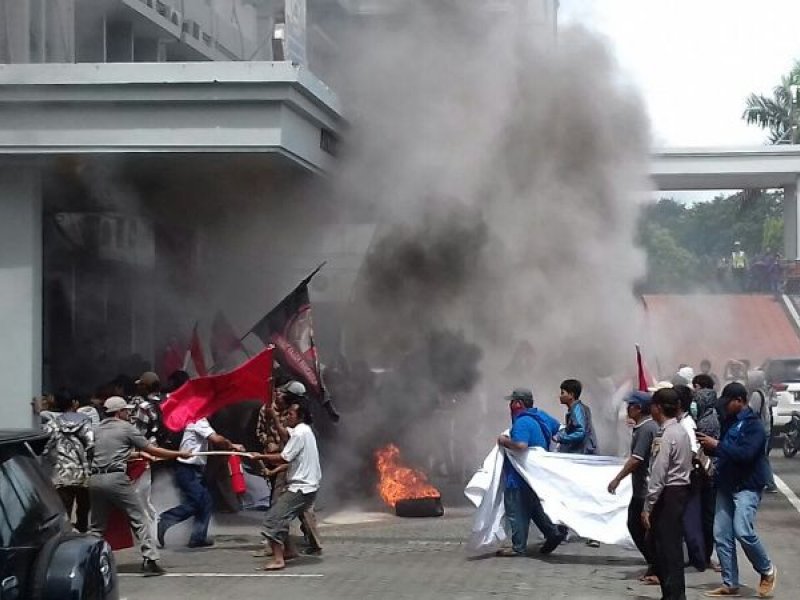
x,y
693,529
708,495
667,533
735,519
196,502
523,506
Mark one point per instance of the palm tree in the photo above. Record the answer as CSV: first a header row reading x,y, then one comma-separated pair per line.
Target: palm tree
x,y
779,113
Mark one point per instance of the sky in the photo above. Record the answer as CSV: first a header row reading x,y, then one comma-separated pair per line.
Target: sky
x,y
696,61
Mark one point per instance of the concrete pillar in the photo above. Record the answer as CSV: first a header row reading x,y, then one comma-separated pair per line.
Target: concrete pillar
x,y
791,214
20,294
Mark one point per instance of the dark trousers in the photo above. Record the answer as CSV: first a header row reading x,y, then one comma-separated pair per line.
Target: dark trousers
x,y
693,529
78,496
523,506
667,531
708,500
196,502
639,533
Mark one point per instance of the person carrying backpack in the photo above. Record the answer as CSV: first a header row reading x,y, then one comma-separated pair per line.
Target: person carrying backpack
x,y
69,452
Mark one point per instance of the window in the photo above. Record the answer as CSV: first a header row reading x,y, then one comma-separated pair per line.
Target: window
x,y
28,502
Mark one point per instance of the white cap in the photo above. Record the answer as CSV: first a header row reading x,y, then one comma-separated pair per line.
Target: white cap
x,y
295,388
116,404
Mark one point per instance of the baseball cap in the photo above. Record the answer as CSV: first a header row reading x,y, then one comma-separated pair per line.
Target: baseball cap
x,y
115,404
148,378
295,388
638,398
522,394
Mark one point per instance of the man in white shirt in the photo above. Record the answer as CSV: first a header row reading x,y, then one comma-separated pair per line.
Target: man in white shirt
x,y
190,479
303,479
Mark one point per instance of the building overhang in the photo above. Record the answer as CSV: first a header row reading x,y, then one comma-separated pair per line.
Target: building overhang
x,y
254,108
729,168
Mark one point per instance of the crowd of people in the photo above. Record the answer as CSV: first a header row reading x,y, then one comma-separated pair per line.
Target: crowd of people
x,y
738,272
100,455
698,464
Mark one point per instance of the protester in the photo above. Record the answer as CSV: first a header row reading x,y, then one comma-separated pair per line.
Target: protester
x,y
705,369
578,436
68,452
707,424
761,403
146,416
303,479
190,479
271,430
693,513
644,432
115,439
530,428
741,474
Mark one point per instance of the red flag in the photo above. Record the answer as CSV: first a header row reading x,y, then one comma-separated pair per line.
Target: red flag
x,y
171,360
204,396
195,352
643,377
224,340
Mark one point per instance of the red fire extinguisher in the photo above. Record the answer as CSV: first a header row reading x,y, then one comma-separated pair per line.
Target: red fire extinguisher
x,y
238,484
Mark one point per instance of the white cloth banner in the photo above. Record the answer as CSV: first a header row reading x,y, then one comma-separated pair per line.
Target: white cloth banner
x,y
573,489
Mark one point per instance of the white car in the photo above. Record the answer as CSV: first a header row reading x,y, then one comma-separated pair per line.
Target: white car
x,y
783,379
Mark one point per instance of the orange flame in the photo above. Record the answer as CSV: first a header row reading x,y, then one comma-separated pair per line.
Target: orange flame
x,y
399,482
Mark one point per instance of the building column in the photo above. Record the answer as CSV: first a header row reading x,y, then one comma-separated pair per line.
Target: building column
x,y
20,294
791,242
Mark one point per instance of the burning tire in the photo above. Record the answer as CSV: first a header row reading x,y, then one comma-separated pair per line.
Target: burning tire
x,y
419,507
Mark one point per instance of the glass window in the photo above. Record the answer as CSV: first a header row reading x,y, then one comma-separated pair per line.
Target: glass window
x,y
28,502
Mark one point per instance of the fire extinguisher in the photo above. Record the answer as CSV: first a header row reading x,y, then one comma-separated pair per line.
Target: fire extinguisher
x,y
238,484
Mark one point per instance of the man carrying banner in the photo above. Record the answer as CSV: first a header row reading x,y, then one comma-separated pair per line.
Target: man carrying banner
x,y
530,428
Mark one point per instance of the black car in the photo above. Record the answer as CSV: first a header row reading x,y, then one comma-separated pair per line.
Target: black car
x,y
41,558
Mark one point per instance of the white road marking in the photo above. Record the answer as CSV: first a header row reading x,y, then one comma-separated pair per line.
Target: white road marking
x,y
792,311
786,491
225,575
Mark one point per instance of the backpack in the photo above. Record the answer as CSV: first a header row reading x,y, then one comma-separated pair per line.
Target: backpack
x,y
165,437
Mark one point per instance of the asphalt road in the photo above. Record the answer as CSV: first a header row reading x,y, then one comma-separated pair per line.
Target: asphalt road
x,y
393,559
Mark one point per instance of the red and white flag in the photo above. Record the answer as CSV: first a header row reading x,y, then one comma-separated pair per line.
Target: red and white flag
x,y
195,356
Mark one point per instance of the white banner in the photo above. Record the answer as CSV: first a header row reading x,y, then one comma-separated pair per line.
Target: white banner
x,y
573,489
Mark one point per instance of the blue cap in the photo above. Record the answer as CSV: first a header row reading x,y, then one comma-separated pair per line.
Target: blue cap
x,y
638,398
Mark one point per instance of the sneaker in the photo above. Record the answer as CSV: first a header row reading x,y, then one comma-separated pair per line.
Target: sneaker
x,y
771,489
201,544
151,568
552,543
593,543
313,551
161,531
767,584
723,592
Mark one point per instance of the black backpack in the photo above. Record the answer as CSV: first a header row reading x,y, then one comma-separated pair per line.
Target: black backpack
x,y
166,438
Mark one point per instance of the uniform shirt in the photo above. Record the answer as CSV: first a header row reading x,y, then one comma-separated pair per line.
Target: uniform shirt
x,y
670,461
114,440
641,446
301,453
195,439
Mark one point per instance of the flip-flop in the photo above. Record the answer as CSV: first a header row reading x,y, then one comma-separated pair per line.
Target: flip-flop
x,y
650,580
272,567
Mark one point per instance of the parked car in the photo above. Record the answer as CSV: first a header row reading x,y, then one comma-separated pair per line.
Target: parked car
x,y
41,557
783,381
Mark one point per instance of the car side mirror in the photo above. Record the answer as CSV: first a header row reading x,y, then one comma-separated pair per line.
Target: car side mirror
x,y
9,589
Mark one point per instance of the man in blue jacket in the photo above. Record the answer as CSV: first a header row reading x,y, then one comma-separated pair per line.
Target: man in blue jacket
x,y
741,475
530,428
578,436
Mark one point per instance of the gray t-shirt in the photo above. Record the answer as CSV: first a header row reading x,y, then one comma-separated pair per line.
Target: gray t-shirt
x,y
641,444
114,440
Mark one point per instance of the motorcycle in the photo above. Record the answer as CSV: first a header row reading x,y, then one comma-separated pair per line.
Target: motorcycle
x,y
791,440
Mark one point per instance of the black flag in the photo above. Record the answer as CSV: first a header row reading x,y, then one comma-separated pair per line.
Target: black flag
x,y
290,329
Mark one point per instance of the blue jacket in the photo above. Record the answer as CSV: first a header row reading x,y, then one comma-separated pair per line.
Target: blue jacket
x,y
535,428
741,460
578,436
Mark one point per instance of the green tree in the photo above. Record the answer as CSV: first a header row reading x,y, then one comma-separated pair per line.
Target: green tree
x,y
670,267
778,114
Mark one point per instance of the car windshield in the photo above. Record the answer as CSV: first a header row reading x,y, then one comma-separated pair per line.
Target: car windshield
x,y
784,371
28,502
